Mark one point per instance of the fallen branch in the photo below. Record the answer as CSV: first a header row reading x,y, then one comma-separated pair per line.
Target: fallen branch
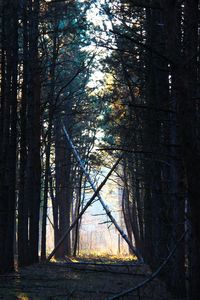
x,y
155,274
70,263
104,269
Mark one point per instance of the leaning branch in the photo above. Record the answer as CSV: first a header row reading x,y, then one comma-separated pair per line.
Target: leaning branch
x,y
105,207
83,210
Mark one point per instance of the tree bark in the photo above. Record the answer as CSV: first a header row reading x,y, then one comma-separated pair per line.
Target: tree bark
x,y
29,202
8,131
184,78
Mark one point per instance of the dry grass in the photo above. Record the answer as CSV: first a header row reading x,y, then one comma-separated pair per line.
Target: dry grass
x,y
103,256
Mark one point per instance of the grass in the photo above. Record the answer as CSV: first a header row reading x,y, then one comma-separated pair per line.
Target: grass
x,y
104,256
101,257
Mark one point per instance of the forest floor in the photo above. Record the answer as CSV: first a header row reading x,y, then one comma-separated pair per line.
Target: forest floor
x,y
86,279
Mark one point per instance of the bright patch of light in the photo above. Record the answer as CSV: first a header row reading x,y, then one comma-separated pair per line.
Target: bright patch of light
x,y
102,27
95,79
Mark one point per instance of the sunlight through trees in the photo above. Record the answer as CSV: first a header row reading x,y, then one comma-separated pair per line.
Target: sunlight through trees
x,y
122,78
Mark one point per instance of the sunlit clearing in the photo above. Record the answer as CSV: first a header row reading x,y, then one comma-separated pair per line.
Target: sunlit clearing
x,y
22,297
106,256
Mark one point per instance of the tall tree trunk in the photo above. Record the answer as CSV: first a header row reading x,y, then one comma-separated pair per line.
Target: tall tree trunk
x,y
164,206
46,185
63,199
8,133
33,160
48,146
184,78
22,201
76,213
29,201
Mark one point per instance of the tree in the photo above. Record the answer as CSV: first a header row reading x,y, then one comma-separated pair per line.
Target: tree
x,y
30,167
8,131
184,79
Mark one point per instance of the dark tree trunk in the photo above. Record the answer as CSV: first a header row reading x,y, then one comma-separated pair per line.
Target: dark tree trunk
x,y
33,159
76,213
48,146
22,201
29,201
164,207
184,79
8,133
63,194
46,185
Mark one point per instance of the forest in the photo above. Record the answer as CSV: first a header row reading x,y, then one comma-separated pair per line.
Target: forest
x,y
96,85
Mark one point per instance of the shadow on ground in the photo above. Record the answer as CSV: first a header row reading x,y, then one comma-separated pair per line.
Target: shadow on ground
x,y
96,280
